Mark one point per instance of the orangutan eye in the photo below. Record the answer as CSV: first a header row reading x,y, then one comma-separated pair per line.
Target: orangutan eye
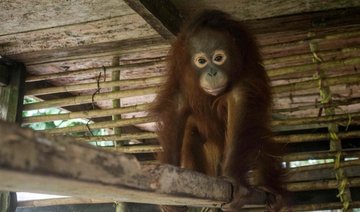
x,y
219,57
200,60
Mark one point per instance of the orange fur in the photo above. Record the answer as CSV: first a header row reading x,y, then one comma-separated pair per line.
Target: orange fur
x,y
226,135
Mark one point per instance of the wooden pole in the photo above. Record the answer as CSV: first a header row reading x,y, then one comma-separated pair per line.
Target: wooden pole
x,y
86,114
77,100
35,162
11,102
115,76
278,125
99,125
93,85
35,78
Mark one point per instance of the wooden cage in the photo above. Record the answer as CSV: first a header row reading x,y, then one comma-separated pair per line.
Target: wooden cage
x,y
100,64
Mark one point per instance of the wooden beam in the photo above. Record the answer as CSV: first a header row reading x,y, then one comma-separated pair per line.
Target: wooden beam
x,y
162,15
33,15
59,201
11,101
4,75
35,162
12,95
249,9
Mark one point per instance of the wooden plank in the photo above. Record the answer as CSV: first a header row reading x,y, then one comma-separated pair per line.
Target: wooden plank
x,y
162,15
278,125
151,64
77,100
58,201
248,9
101,207
4,75
21,16
11,101
108,30
111,48
12,95
35,162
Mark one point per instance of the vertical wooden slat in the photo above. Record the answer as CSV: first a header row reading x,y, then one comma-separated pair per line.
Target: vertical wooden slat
x,y
11,101
115,76
4,75
12,95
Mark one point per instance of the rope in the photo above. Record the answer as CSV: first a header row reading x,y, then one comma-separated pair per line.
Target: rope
x,y
335,142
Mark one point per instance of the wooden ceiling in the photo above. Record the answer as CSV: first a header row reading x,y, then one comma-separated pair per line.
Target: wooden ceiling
x,y
64,36
71,48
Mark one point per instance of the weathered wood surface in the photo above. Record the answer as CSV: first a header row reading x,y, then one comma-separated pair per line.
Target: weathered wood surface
x,y
4,75
108,69
77,100
21,16
102,31
248,9
12,95
86,114
11,101
59,201
277,125
132,46
162,15
57,165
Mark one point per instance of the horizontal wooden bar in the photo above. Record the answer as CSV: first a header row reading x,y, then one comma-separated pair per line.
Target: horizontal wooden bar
x,y
278,125
347,79
58,201
87,114
320,184
156,148
35,78
310,67
122,137
94,85
100,125
134,149
320,155
77,100
311,137
35,162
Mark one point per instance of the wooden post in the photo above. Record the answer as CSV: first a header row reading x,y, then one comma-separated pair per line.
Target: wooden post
x,y
12,95
115,76
11,99
162,15
36,162
4,75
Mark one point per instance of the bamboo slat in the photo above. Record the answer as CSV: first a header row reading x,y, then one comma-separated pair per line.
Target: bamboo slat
x,y
319,155
136,149
122,137
312,67
76,100
347,79
294,138
317,120
87,86
277,125
88,114
99,125
343,164
298,138
35,78
320,185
